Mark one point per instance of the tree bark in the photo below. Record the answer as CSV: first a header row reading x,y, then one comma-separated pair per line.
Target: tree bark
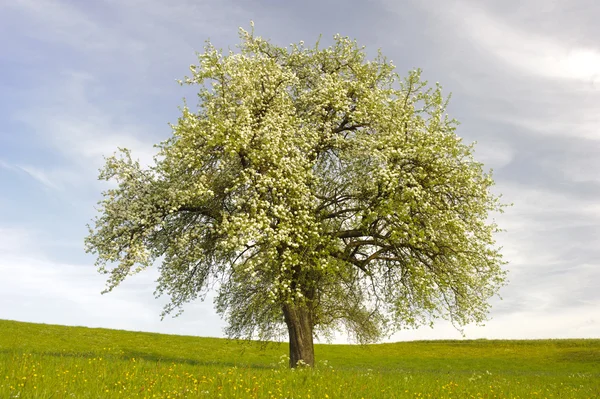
x,y
300,329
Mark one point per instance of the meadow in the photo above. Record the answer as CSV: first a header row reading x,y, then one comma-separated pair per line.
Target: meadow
x,y
49,361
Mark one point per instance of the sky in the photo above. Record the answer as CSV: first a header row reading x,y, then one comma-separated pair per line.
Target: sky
x,y
80,78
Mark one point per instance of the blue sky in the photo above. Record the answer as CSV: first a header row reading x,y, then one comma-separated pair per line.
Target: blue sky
x,y
80,78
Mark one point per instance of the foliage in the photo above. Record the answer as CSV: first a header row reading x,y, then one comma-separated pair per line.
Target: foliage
x,y
308,177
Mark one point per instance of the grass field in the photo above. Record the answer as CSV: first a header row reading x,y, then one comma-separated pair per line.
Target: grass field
x,y
48,361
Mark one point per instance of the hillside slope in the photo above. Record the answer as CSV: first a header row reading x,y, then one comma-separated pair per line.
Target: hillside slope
x,y
41,359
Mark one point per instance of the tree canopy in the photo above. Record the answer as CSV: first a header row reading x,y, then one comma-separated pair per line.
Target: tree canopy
x,y
314,190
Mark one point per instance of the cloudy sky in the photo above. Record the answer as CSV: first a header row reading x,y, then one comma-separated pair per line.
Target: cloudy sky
x,y
80,78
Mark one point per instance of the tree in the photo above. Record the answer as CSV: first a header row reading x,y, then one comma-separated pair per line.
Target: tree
x,y
317,190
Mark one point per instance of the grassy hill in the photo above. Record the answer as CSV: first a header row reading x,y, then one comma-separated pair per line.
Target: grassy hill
x,y
49,361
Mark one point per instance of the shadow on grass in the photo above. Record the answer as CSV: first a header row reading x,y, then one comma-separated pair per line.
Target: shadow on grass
x,y
573,357
581,356
149,357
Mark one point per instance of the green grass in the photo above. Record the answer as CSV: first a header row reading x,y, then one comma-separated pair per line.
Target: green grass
x,y
48,361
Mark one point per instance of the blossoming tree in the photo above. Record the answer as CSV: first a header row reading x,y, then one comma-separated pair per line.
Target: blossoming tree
x,y
315,191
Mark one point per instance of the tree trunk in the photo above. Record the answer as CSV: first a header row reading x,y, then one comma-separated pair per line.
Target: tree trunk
x,y
300,328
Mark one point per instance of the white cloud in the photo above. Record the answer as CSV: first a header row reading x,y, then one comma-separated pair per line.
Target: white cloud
x,y
38,289
514,73
531,202
53,179
83,132
15,239
536,215
146,34
494,154
536,54
566,103
576,322
7,165
584,168
41,176
575,119
63,23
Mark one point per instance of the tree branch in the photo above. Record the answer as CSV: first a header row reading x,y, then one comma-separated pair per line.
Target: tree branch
x,y
202,210
340,212
355,233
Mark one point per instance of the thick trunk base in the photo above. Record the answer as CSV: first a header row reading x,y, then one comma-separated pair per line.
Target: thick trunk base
x,y
300,328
